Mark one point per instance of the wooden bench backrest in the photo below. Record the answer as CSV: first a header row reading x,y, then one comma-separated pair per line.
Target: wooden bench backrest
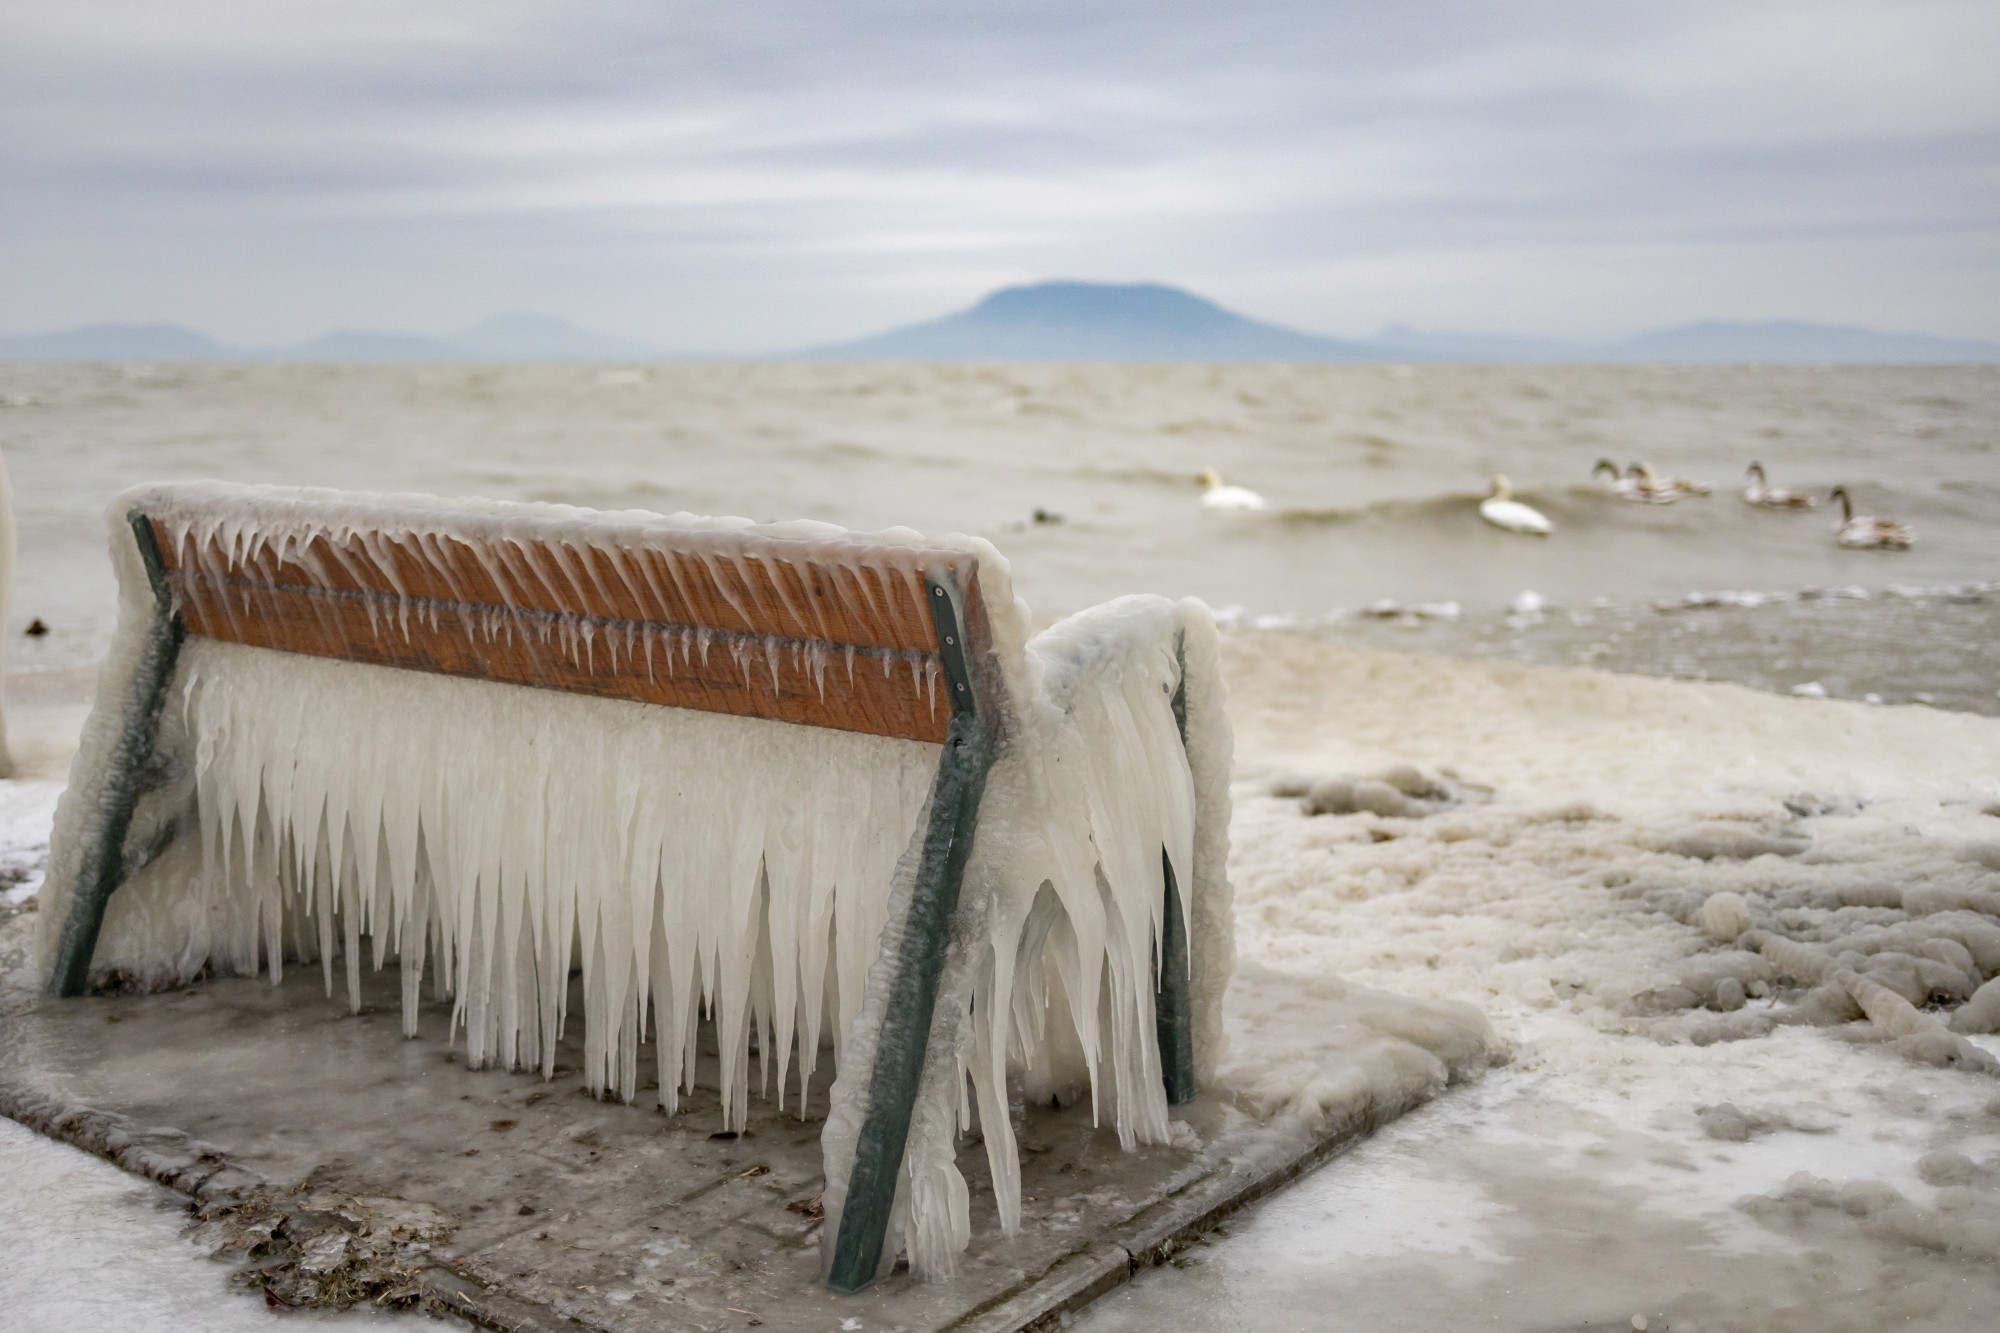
x,y
824,631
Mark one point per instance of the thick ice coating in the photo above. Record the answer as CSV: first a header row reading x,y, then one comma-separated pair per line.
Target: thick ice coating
x,y
1052,971
692,863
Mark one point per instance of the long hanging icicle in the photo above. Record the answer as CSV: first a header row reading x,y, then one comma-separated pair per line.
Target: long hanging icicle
x,y
549,822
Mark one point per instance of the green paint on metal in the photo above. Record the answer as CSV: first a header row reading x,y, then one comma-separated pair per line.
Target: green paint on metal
x,y
103,866
906,1021
1173,1006
948,623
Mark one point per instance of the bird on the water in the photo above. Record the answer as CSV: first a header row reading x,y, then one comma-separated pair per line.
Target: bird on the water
x,y
1655,489
1866,531
1759,492
1503,511
1624,487
1216,495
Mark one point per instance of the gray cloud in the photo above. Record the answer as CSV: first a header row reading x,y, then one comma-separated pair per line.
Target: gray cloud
x,y
762,174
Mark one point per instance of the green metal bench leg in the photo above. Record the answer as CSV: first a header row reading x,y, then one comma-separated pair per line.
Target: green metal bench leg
x,y
104,856
906,1024
1173,1010
906,1020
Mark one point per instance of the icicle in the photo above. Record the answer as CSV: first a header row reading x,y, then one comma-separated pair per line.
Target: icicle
x,y
533,824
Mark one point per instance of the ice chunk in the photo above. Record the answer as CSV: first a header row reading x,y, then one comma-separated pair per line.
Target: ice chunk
x,y
1945,1167
1726,842
1725,915
1981,1013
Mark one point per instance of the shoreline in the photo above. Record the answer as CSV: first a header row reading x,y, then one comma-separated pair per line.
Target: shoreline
x,y
1580,819
1896,645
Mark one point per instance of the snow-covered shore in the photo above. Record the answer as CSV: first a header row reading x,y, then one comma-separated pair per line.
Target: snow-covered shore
x,y
1651,1149
1550,837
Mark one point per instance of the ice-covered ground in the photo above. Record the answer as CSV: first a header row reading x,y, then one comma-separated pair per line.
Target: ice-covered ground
x,y
1652,1149
87,1246
1812,1178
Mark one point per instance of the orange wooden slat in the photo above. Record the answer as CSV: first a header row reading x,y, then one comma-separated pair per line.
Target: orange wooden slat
x,y
866,599
817,642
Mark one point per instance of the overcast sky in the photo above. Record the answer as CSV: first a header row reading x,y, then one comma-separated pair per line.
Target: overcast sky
x,y
743,175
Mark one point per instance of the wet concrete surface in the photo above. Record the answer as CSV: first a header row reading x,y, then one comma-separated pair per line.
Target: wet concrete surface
x,y
569,1208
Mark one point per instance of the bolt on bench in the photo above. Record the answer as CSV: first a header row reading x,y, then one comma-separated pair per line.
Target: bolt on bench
x,y
808,783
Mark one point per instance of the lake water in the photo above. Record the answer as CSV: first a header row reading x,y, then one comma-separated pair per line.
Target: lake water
x,y
1373,474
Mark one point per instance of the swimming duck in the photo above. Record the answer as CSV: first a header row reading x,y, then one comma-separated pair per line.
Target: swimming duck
x,y
1624,487
1866,530
1503,511
1215,495
1773,497
1659,490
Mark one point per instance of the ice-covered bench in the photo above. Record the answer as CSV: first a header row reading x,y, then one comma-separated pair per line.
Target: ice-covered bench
x,y
812,783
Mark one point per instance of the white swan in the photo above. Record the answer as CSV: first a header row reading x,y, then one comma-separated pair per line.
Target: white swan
x,y
1215,495
1766,496
1866,530
1503,511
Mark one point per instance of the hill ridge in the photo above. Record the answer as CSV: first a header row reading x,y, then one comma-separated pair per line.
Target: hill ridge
x,y
1059,320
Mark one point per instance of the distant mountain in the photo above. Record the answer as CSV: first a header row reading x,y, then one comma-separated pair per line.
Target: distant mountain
x,y
1767,343
115,342
1049,321
364,345
520,336
526,336
1418,345
1087,321
1793,340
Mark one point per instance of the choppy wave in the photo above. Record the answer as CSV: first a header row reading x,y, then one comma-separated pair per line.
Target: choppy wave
x,y
1456,503
1412,508
1893,644
1374,481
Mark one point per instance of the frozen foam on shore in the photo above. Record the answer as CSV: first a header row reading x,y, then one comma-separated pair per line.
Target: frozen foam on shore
x,y
1620,825
1731,1170
1558,874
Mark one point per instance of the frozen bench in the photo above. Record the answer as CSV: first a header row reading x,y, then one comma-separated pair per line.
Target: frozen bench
x,y
746,778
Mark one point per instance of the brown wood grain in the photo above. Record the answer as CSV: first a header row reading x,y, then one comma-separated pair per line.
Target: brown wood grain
x,y
871,598
578,618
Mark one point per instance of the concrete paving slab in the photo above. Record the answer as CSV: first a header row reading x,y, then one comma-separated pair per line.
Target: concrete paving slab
x,y
570,1211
